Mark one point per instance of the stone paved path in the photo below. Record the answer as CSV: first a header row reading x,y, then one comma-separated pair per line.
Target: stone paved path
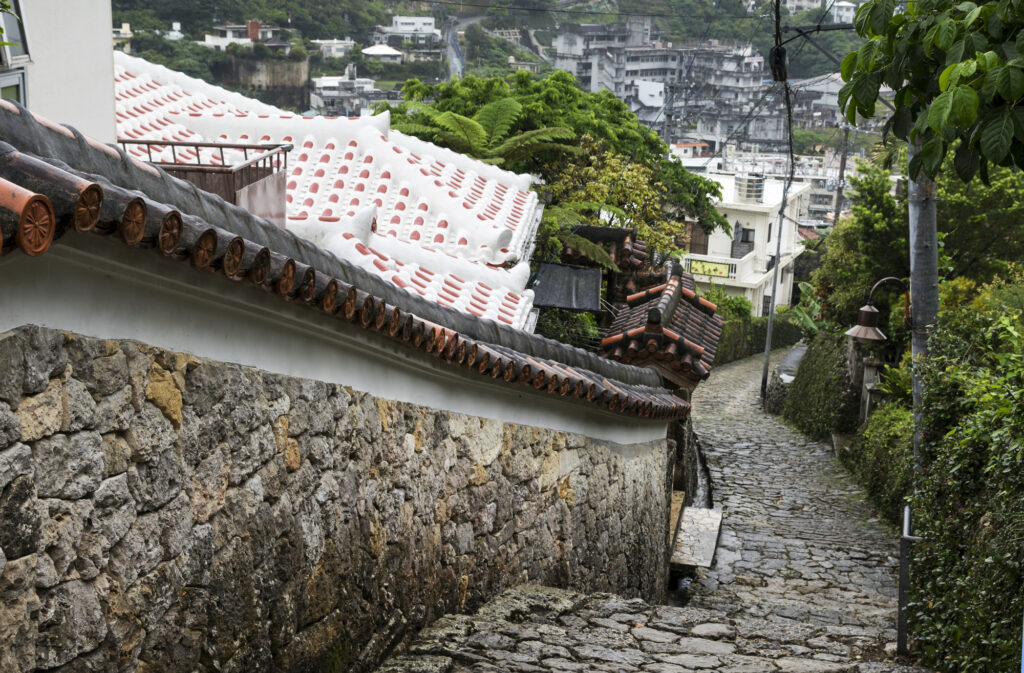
x,y
804,579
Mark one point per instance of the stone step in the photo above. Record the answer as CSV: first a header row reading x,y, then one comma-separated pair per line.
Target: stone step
x,y
534,629
696,538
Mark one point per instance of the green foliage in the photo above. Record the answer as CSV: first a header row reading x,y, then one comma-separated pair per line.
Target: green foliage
x,y
485,135
862,249
958,74
969,569
486,54
615,172
181,55
807,314
576,329
821,400
312,18
743,337
882,458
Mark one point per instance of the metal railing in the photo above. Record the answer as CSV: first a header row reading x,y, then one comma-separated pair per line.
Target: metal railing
x,y
224,179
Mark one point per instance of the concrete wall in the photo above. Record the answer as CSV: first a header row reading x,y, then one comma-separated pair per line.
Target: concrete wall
x,y
71,76
163,512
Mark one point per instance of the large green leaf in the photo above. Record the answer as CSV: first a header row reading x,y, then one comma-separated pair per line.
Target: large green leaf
x,y
497,118
939,111
996,137
1010,83
965,105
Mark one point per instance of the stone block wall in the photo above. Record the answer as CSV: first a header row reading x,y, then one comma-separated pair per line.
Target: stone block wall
x,y
161,512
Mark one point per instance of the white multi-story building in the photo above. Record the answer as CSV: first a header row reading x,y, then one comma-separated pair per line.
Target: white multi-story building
x,y
244,34
40,69
707,87
346,95
419,30
742,264
795,6
843,12
335,48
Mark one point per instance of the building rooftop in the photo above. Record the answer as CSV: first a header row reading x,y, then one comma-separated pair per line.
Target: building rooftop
x,y
381,50
134,213
449,228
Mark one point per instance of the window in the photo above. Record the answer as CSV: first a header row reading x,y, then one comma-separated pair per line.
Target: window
x,y
12,86
698,239
15,34
747,236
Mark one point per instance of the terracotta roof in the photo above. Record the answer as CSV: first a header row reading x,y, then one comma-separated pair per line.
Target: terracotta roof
x,y
808,233
620,243
668,326
271,260
449,228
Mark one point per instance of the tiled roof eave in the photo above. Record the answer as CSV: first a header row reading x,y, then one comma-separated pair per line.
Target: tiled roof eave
x,y
206,248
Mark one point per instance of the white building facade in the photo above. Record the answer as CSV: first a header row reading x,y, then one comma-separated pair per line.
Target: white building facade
x,y
742,264
61,62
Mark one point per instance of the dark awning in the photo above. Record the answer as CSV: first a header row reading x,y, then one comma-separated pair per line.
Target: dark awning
x,y
567,287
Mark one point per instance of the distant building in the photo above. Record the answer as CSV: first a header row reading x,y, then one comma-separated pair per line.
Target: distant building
x,y
383,53
123,38
711,87
843,12
418,30
243,34
335,48
529,66
742,264
174,34
342,96
40,70
795,6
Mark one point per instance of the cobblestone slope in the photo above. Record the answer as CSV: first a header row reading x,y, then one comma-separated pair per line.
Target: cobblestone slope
x,y
804,579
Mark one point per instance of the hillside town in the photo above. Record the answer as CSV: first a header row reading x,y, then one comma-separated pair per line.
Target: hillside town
x,y
438,337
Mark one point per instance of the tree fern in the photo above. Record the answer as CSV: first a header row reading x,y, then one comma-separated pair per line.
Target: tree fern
x,y
497,118
593,251
471,132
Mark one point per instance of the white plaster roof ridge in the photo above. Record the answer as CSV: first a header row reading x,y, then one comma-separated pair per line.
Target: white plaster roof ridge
x,y
423,148
458,219
193,85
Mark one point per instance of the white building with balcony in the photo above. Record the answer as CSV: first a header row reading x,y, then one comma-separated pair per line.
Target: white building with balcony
x,y
843,12
335,48
743,263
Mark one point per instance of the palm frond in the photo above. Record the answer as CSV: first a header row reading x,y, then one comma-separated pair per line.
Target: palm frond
x,y
423,131
524,142
593,251
497,118
469,130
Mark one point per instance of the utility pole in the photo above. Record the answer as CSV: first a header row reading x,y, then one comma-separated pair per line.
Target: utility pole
x,y
842,174
924,311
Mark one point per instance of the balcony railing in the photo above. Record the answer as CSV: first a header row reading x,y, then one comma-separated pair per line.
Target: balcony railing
x,y
716,266
248,175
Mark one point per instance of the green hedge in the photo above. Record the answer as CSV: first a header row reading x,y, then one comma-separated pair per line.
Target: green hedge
x,y
820,400
968,570
882,459
742,337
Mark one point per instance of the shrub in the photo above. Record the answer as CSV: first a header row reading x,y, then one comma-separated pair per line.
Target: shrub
x,y
882,458
742,337
968,571
821,400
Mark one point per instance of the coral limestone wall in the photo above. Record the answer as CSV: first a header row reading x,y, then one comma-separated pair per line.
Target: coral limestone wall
x,y
161,512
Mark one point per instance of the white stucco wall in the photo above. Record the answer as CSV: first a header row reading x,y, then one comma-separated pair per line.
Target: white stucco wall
x,y
99,287
71,75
